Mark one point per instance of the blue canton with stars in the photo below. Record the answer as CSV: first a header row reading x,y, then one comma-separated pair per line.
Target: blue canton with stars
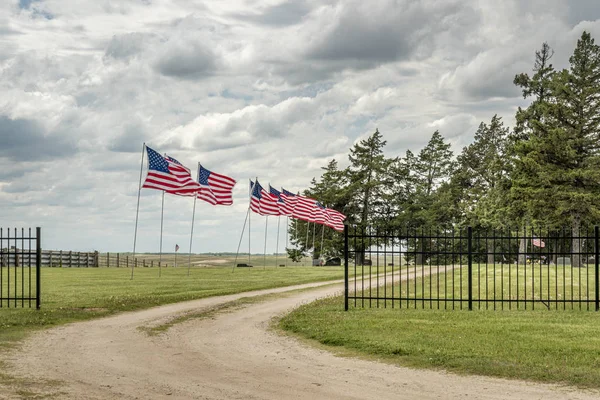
x,y
274,191
157,162
288,193
256,190
203,176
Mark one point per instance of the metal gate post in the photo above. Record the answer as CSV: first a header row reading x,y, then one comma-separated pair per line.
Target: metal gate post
x,y
38,264
346,267
470,265
596,262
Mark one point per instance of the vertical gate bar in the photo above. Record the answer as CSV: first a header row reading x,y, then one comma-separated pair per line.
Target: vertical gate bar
x,y
8,269
527,241
16,288
423,268
437,245
385,267
518,257
38,264
346,267
461,268
1,264
415,269
572,271
564,273
355,266
587,272
548,258
596,266
377,233
470,265
494,268
29,267
453,265
22,267
392,277
478,253
370,237
445,269
532,273
486,270
362,267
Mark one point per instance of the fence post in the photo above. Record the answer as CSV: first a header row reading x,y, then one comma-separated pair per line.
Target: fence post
x,y
470,265
346,267
70,258
60,262
38,264
87,259
118,260
107,259
127,261
51,259
597,263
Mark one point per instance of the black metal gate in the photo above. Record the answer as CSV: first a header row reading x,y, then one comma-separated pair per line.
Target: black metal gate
x,y
473,268
20,261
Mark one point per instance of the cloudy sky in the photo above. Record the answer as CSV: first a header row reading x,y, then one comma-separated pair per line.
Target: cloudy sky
x,y
249,88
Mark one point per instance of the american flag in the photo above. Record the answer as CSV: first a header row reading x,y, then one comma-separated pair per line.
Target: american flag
x,y
166,173
319,214
261,202
284,208
335,219
215,189
289,199
538,242
176,248
304,208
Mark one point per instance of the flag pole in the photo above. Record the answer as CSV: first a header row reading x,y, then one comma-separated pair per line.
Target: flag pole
x,y
241,237
307,231
137,211
175,257
192,232
277,245
191,237
287,229
249,223
162,210
313,243
265,253
322,238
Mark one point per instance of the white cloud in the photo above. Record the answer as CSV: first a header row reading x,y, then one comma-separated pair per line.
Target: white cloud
x,y
273,89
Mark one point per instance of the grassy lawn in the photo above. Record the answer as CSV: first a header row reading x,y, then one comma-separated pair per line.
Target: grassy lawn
x,y
559,346
82,293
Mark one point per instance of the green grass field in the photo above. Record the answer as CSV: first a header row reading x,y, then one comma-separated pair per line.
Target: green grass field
x,y
560,346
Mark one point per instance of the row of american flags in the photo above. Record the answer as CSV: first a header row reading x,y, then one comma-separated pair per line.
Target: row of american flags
x,y
169,175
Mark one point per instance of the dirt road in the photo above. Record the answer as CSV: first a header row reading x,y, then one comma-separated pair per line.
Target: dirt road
x,y
234,355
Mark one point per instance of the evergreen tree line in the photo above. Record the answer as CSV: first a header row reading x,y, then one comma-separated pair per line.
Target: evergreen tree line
x,y
543,172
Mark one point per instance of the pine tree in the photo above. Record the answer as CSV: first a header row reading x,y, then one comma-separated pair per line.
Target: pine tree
x,y
557,174
427,173
483,169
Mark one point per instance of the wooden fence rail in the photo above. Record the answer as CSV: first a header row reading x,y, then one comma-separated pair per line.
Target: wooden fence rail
x,y
73,259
